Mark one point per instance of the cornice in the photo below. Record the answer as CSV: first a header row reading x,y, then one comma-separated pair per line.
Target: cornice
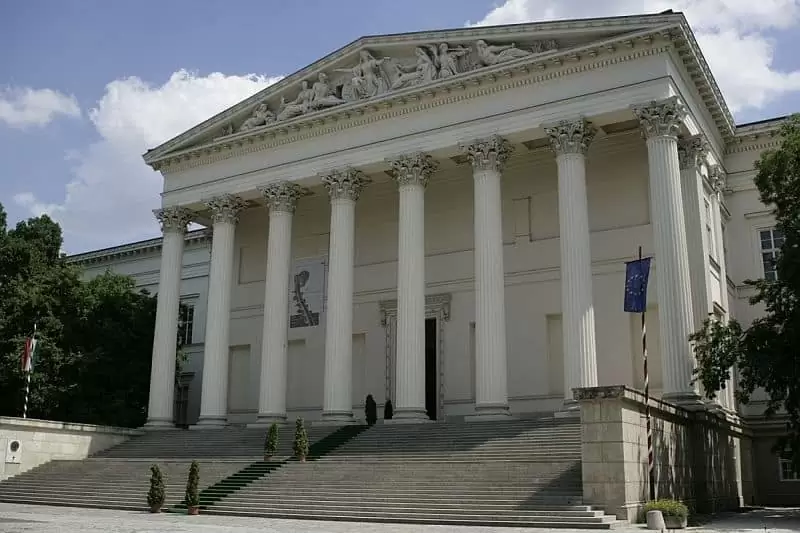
x,y
133,249
513,74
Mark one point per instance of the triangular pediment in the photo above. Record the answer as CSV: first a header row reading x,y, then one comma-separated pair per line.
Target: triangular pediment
x,y
372,68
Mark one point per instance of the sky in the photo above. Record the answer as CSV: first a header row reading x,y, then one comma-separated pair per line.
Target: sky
x,y
86,86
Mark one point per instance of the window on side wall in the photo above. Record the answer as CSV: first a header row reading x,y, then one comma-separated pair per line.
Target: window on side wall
x,y
770,242
786,471
186,323
712,244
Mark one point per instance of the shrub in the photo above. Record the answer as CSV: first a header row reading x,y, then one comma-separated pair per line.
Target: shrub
x,y
388,410
156,496
192,498
668,508
300,444
271,442
371,410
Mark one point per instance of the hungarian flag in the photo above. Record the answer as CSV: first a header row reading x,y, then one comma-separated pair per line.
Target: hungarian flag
x,y
27,355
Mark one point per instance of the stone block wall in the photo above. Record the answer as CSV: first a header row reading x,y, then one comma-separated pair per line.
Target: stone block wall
x,y
44,440
700,457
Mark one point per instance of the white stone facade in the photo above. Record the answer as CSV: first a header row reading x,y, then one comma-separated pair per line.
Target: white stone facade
x,y
463,234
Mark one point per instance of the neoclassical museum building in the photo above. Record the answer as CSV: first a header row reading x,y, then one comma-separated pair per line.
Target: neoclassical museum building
x,y
443,219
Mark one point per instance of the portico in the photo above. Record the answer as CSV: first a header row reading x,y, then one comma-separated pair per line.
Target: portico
x,y
517,186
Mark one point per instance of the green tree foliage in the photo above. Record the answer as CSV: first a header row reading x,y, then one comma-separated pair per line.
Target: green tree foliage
x,y
156,494
271,442
95,337
766,353
192,497
300,443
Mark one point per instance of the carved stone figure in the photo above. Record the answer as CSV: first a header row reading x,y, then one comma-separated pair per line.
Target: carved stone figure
x,y
261,116
227,129
423,71
301,104
368,78
493,54
323,95
448,59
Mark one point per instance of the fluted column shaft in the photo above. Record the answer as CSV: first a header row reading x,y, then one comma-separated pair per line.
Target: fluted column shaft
x,y
344,188
570,140
660,123
214,396
162,372
281,201
411,173
691,155
491,375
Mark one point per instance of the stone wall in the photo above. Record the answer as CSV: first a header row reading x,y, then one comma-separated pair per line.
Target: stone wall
x,y
701,458
43,440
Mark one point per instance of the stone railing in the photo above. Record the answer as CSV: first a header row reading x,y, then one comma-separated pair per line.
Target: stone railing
x,y
701,458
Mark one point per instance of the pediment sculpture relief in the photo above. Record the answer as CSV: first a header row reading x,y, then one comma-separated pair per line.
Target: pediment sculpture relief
x,y
372,77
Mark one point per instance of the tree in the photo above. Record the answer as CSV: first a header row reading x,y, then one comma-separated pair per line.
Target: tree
x,y
766,352
300,443
192,497
156,494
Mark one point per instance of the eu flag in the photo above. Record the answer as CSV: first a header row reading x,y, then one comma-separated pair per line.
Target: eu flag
x,y
636,276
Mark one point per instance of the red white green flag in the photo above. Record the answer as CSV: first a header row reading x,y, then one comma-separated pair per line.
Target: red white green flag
x,y
28,353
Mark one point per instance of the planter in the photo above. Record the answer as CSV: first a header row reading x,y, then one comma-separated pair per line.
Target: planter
x,y
267,457
155,508
302,458
675,522
195,510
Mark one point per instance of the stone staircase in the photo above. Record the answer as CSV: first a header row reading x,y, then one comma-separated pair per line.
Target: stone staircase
x,y
118,478
509,473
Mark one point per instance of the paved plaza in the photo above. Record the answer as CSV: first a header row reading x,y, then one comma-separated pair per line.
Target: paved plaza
x,y
42,519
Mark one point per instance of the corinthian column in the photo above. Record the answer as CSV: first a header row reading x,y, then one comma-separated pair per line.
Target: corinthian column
x,y
412,173
162,372
660,122
491,395
570,141
281,201
214,397
344,188
691,155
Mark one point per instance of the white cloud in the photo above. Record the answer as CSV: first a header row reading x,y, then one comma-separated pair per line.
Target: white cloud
x,y
22,107
112,194
733,35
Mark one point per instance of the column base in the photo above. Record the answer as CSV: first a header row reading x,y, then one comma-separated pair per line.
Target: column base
x,y
487,412
335,418
158,424
210,422
569,409
688,400
266,420
409,416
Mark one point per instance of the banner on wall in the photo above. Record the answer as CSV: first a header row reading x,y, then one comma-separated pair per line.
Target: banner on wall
x,y
306,293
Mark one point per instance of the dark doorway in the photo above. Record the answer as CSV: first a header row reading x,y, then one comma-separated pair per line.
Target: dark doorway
x,y
431,370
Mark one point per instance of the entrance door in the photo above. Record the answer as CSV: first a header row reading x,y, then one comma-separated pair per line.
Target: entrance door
x,y
431,370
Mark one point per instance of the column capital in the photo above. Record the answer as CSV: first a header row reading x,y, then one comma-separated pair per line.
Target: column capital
x,y
571,137
413,169
174,219
661,118
490,153
345,183
282,196
692,151
225,208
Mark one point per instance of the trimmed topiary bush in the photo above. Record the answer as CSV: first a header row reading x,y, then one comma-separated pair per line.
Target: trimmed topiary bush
x,y
675,513
371,410
388,410
300,444
271,442
192,498
156,495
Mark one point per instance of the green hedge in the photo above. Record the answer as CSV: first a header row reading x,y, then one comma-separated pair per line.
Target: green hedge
x,y
668,508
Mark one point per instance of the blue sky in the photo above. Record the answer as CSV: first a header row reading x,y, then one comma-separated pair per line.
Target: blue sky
x,y
87,85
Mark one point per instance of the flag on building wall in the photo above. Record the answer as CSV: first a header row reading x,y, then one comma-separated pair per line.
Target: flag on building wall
x,y
637,274
28,353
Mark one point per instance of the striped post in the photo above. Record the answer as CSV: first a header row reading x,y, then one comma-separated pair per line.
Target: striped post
x,y
27,392
650,472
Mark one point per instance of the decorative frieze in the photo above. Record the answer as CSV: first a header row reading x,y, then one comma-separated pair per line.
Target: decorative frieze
x,y
413,169
662,118
571,137
173,219
490,153
346,183
226,208
283,195
692,151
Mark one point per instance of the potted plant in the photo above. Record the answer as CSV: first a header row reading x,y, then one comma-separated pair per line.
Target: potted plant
x,y
155,496
674,512
192,498
388,410
300,444
271,442
371,410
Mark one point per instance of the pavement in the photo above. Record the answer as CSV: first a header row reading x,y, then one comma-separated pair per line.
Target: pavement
x,y
43,519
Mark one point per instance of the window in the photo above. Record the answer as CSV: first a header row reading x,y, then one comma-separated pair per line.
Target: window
x,y
787,472
186,323
712,245
771,241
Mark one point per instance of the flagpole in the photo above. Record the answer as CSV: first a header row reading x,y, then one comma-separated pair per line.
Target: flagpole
x,y
650,471
28,382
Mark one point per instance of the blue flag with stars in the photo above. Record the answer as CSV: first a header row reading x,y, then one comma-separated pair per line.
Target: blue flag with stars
x,y
636,275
